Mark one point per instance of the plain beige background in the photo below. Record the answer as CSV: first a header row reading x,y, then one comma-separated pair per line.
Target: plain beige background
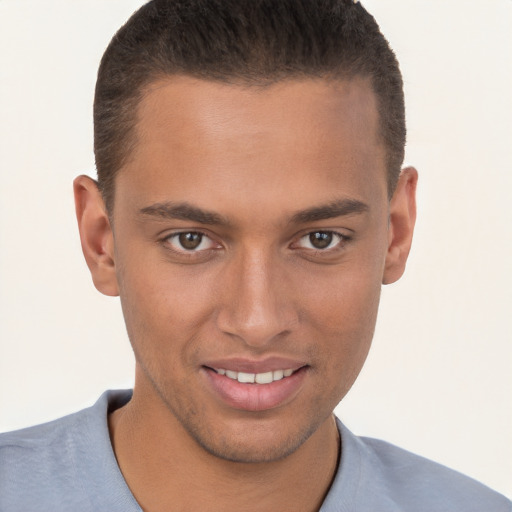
x,y
438,380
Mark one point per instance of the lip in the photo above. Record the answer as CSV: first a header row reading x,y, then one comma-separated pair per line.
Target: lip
x,y
255,397
269,364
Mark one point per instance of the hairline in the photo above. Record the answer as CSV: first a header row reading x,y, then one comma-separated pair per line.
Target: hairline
x,y
257,82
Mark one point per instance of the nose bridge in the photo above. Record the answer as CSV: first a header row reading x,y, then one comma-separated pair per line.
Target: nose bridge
x,y
256,308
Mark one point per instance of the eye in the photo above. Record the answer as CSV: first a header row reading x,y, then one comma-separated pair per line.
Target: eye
x,y
190,241
321,240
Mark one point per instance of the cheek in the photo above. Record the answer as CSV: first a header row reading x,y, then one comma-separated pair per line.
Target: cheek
x,y
163,309
342,313
343,298
347,319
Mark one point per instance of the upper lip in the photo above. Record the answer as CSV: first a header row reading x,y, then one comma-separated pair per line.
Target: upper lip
x,y
270,364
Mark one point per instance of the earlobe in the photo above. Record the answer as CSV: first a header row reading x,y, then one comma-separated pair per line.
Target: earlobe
x,y
95,235
402,217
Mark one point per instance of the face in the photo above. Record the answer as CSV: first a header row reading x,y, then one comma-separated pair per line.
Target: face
x,y
251,235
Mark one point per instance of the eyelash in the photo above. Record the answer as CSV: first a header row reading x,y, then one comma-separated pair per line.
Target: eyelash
x,y
342,239
193,253
189,253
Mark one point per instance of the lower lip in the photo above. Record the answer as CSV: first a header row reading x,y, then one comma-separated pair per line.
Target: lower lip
x,y
256,397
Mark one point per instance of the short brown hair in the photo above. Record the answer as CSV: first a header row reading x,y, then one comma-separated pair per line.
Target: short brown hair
x,y
253,42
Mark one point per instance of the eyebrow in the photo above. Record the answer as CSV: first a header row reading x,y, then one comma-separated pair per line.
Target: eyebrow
x,y
183,211
331,210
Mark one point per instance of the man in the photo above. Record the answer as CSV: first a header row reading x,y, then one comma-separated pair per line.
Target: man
x,y
249,206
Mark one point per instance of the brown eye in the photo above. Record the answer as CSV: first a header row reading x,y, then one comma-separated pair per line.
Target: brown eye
x,y
190,241
321,239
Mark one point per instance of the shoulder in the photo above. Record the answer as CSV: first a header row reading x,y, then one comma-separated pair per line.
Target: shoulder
x,y
46,467
384,477
415,477
36,461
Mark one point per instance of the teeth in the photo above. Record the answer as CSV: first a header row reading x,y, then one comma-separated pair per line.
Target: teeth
x,y
258,378
264,378
278,374
246,377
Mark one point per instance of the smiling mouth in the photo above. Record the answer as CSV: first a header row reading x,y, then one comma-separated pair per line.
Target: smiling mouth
x,y
256,378
252,390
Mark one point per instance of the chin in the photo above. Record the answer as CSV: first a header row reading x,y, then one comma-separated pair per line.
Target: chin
x,y
254,442
251,451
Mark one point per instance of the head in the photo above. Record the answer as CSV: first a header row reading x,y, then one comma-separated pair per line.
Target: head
x,y
253,210
253,43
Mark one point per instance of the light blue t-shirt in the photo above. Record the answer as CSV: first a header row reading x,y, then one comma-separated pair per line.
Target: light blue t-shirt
x,y
69,465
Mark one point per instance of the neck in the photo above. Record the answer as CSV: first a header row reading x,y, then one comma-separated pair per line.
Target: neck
x,y
166,469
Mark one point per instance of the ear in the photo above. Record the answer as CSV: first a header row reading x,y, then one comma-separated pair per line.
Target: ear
x,y
402,217
95,234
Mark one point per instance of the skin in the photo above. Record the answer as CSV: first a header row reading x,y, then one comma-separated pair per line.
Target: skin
x,y
260,162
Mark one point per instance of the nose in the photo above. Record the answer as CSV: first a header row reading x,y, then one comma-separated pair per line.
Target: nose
x,y
257,303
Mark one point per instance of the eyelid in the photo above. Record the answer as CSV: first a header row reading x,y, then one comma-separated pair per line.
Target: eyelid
x,y
343,239
190,253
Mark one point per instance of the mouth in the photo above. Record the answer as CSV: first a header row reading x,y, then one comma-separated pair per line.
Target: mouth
x,y
262,389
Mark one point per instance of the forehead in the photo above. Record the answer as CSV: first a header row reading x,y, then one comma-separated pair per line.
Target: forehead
x,y
288,110
303,137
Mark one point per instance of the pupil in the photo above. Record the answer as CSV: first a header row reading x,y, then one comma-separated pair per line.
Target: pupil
x,y
320,239
190,240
